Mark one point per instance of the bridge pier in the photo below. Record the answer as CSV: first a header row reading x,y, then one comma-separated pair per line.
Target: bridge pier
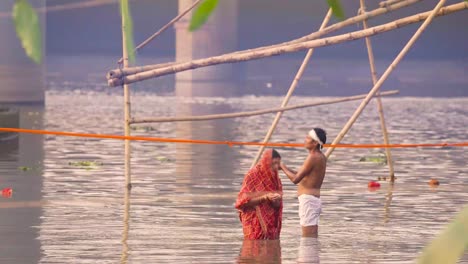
x,y
217,36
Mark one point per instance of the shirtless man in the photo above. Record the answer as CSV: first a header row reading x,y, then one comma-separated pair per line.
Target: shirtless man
x,y
309,181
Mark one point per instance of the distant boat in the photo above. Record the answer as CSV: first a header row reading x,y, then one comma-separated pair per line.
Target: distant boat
x,y
9,117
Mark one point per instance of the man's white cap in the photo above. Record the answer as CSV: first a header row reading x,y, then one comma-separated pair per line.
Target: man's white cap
x,y
314,136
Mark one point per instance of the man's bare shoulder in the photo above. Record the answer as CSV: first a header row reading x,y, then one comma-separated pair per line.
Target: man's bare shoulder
x,y
317,157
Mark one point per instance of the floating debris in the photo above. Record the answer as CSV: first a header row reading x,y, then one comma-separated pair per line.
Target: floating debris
x,y
7,192
24,168
379,159
88,165
434,182
142,128
164,159
373,184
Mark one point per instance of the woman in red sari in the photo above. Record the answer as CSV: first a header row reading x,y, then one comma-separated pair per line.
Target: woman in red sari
x,y
259,201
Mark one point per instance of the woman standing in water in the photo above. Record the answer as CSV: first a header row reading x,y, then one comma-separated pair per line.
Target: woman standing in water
x,y
259,201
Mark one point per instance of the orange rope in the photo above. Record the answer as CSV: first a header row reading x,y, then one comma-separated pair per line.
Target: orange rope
x,y
229,143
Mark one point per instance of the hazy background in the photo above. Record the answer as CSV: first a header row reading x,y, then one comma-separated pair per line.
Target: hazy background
x,y
437,64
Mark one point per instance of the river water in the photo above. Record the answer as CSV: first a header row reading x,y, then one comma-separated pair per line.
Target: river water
x,y
180,209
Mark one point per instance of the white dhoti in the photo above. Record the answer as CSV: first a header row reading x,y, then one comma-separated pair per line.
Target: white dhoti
x,y
310,208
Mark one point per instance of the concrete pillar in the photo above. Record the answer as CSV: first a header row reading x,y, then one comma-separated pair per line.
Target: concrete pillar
x,y
20,79
217,36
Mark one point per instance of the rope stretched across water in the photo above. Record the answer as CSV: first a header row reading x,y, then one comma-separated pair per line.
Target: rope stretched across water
x,y
229,143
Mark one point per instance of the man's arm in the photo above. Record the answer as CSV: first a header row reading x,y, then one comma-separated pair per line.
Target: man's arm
x,y
297,177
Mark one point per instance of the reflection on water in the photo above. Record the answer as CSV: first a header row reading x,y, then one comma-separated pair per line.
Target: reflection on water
x,y
388,202
260,251
309,251
126,223
181,205
21,165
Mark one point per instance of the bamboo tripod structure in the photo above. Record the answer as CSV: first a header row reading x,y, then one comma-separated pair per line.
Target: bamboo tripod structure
x,y
129,75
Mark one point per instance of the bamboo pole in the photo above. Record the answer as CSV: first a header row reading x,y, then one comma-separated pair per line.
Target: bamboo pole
x,y
252,113
170,23
292,87
127,108
339,25
230,58
373,71
388,3
320,33
342,24
385,75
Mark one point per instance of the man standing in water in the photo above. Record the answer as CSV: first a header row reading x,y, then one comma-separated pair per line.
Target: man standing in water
x,y
309,180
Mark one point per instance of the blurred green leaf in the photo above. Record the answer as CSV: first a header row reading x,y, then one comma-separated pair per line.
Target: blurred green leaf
x,y
28,29
337,8
201,14
127,24
448,246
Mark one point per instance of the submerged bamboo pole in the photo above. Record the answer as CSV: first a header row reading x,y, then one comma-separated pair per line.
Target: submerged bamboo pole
x,y
170,23
385,75
373,71
128,182
230,58
291,89
126,225
314,35
251,113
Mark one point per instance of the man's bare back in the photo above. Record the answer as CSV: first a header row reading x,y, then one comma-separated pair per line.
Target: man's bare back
x,y
312,181
309,181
